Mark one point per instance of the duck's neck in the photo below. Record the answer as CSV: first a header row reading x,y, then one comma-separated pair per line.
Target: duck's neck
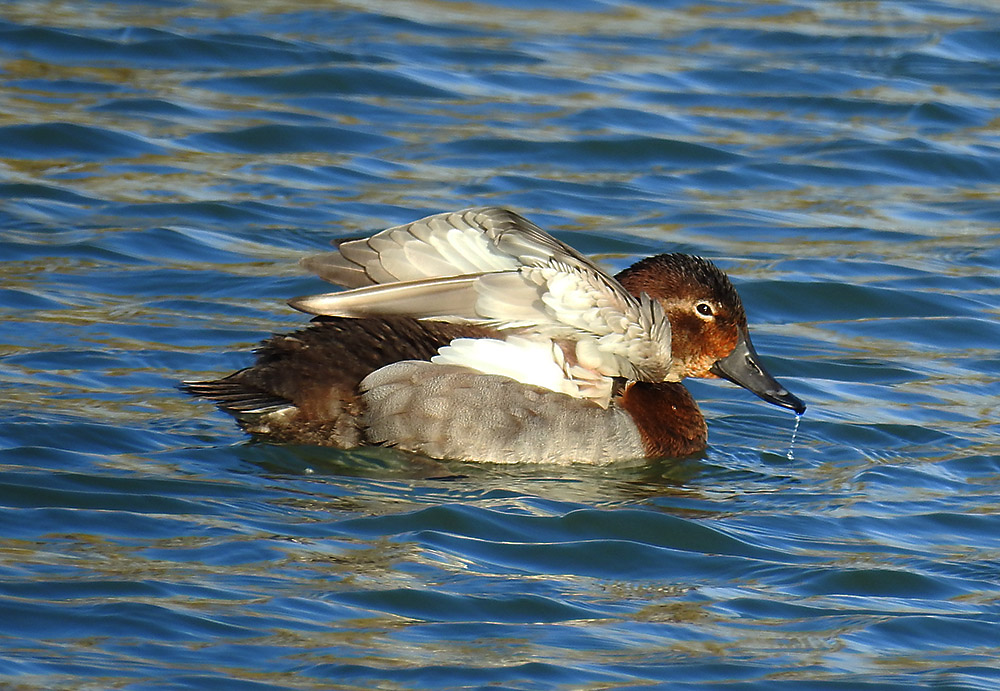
x,y
667,416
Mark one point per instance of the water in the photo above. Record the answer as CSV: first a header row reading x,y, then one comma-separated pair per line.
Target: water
x,y
164,165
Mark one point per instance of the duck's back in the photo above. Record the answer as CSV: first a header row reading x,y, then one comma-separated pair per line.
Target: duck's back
x,y
304,386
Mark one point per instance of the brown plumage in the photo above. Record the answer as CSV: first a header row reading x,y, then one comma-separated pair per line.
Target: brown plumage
x,y
303,388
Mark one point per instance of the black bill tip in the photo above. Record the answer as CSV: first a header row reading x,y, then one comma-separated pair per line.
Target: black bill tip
x,y
743,367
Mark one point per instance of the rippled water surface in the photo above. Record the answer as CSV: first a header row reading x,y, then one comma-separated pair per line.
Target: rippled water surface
x,y
165,164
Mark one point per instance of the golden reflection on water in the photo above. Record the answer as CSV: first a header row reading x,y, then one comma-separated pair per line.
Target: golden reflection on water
x,y
114,314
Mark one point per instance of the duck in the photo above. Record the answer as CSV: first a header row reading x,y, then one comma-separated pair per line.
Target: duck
x,y
474,335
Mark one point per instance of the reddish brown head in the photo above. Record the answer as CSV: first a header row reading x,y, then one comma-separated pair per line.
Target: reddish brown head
x,y
709,336
705,312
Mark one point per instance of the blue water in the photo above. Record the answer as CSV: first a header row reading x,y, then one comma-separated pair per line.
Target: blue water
x,y
163,165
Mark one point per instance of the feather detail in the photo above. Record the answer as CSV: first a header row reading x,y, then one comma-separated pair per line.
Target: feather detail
x,y
491,267
427,299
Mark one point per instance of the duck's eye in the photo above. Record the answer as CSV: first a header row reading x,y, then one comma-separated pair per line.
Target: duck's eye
x,y
704,309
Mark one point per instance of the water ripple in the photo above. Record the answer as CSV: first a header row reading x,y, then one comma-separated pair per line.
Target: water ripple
x,y
163,166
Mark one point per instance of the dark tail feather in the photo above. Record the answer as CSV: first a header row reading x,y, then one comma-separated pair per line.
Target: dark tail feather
x,y
235,397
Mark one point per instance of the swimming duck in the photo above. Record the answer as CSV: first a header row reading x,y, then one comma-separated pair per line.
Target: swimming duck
x,y
475,335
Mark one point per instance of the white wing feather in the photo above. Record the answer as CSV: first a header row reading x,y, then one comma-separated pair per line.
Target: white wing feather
x,y
490,266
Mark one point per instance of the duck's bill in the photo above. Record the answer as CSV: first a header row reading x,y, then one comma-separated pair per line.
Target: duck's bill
x,y
743,367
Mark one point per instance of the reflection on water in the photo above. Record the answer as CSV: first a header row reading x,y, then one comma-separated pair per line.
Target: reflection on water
x,y
164,165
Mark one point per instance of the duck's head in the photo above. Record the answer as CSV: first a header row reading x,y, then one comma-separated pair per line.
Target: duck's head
x,y
709,335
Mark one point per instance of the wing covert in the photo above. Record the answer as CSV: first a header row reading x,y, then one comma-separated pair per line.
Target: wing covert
x,y
492,267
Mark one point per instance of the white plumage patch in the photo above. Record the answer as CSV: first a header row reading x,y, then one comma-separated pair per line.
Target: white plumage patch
x,y
529,361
